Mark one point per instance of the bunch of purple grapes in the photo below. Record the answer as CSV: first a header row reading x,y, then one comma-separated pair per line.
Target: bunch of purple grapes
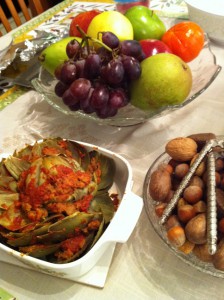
x,y
97,79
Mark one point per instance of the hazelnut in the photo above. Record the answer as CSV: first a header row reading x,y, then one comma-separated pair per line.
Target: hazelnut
x,y
187,247
196,180
166,167
173,163
181,202
201,168
200,207
193,194
172,221
181,170
176,236
201,251
195,229
186,213
159,209
219,164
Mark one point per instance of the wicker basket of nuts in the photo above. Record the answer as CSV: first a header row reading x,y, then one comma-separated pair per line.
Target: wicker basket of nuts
x,y
184,200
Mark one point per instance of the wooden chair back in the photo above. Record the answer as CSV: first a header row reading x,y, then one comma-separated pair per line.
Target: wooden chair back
x,y
33,8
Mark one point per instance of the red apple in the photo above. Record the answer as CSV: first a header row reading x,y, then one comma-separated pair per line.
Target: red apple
x,y
83,19
151,47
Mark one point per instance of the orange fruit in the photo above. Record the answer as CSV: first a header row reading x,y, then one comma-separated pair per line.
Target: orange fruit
x,y
185,39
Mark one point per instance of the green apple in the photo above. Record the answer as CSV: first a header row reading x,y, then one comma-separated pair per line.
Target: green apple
x,y
146,24
165,80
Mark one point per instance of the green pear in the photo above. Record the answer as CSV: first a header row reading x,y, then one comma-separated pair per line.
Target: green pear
x,y
55,54
165,80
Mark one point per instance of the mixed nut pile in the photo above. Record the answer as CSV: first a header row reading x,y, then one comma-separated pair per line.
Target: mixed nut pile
x,y
186,225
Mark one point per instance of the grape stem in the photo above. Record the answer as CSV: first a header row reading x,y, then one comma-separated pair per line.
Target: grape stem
x,y
86,38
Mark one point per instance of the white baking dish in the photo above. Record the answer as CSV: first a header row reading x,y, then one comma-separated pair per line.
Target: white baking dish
x,y
119,229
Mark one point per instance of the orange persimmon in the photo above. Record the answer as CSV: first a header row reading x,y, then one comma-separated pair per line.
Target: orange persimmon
x,y
185,39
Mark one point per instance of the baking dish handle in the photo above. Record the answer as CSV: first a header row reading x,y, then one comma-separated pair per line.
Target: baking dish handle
x,y
126,218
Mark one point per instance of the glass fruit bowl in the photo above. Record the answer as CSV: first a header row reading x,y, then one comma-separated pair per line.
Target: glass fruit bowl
x,y
149,205
204,70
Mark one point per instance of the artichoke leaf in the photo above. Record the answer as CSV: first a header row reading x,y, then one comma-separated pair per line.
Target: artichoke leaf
x,y
38,250
90,189
16,166
80,154
37,149
27,238
34,174
99,233
36,228
52,237
69,223
60,230
50,147
88,242
3,170
103,203
13,219
50,162
24,153
108,168
7,200
8,183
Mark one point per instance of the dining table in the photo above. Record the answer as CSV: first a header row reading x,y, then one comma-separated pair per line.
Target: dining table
x,y
143,267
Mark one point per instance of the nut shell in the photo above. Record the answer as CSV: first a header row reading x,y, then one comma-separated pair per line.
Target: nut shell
x,y
218,257
195,229
181,148
202,138
202,252
160,185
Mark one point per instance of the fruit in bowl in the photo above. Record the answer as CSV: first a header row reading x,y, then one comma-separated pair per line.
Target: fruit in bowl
x,y
152,47
83,20
185,39
96,79
111,21
55,54
58,200
146,23
180,203
105,69
165,80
